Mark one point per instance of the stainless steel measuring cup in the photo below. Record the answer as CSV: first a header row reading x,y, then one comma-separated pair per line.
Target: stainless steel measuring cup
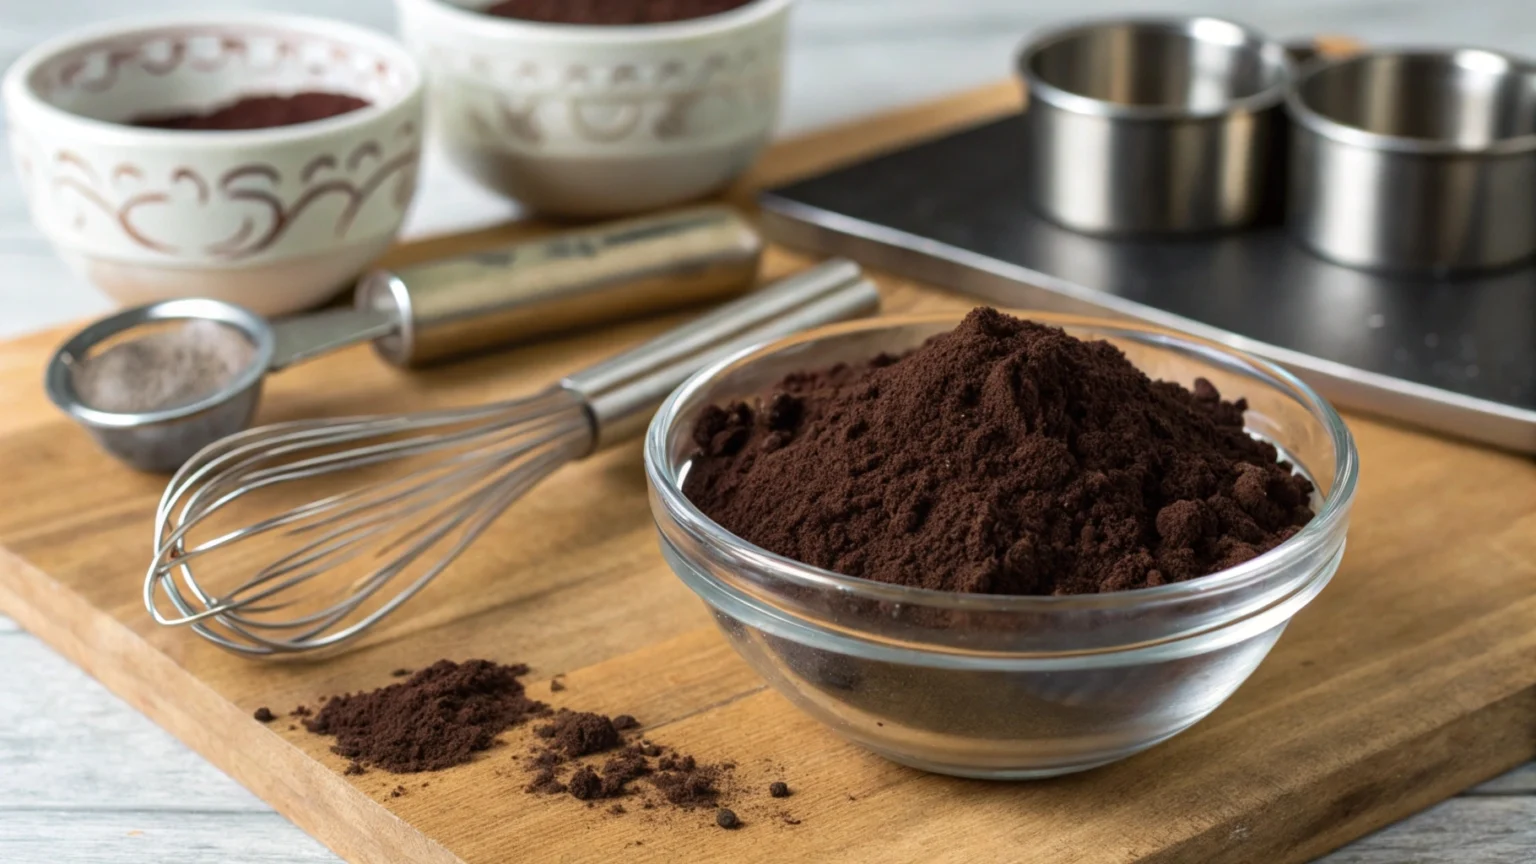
x,y
427,313
1415,160
1153,125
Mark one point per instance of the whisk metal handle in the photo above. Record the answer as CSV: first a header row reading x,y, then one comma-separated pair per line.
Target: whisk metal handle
x,y
623,392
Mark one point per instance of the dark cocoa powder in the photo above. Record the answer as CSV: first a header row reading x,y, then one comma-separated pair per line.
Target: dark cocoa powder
x,y
681,779
1003,457
258,112
578,733
610,12
439,717
444,714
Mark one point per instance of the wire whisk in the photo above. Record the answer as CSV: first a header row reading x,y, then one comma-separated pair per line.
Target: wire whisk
x,y
391,501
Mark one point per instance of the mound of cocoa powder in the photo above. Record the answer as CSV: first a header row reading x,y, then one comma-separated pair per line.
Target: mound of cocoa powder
x,y
1003,457
447,712
578,733
610,12
682,780
258,112
437,718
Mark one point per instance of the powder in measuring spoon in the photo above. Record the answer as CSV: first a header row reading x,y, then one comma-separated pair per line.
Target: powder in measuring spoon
x,y
164,369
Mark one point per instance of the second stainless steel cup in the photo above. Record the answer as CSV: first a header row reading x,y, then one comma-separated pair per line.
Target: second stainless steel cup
x,y
1416,160
1154,126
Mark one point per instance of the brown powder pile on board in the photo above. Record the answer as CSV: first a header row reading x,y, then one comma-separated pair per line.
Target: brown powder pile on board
x,y
681,780
447,712
610,12
687,784
439,717
257,112
578,733
1003,457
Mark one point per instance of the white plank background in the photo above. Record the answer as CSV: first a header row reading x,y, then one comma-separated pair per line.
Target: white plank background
x,y
84,778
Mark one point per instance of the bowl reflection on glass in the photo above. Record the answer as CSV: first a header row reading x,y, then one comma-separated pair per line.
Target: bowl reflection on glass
x,y
994,686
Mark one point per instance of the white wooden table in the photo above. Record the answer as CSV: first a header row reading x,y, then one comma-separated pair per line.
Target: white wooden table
x,y
84,778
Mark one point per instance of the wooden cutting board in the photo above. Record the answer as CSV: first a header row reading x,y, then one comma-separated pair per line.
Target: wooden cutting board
x,y
1411,677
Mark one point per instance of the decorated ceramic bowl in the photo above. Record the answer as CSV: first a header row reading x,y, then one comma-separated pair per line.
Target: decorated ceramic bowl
x,y
583,120
274,219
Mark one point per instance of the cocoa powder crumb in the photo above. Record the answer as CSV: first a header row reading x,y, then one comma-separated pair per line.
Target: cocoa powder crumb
x,y
264,715
545,782
400,673
585,785
779,789
439,717
354,769
579,733
301,711
727,819
556,685
571,735
397,792
1003,457
688,787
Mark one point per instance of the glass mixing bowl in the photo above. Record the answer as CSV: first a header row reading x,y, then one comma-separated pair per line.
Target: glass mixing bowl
x,y
994,686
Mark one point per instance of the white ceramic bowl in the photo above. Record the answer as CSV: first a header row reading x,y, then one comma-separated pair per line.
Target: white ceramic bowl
x,y
582,120
276,219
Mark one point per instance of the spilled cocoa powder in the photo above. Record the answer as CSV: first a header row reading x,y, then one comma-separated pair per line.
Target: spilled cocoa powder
x,y
610,12
555,769
257,112
444,714
439,717
1003,457
579,733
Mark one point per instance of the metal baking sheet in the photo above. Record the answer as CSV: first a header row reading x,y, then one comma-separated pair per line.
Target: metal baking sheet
x,y
1455,355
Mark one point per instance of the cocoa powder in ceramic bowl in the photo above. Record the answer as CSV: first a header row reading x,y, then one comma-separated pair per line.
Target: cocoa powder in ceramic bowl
x,y
263,111
610,12
261,159
1057,560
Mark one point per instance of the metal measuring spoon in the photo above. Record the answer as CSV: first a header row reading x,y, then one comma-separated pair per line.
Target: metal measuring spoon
x,y
426,313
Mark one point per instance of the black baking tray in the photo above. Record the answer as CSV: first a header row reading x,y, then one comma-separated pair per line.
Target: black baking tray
x,y
1455,354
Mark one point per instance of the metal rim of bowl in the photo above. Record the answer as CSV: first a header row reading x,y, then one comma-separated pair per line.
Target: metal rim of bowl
x,y
1334,509
59,377
626,34
1306,117
1272,54
19,91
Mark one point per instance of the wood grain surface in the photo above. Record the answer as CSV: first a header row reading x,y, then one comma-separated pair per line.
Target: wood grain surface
x,y
1411,677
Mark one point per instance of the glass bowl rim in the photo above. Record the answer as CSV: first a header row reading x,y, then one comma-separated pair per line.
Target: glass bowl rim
x,y
1316,534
